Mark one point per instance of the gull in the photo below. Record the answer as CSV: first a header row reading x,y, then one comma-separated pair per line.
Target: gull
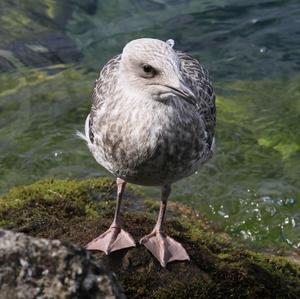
x,y
151,123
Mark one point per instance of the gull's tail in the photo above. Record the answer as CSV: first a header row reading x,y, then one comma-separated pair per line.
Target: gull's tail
x,y
86,134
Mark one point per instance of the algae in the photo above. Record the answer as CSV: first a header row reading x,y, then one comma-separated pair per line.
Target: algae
x,y
251,186
220,267
37,105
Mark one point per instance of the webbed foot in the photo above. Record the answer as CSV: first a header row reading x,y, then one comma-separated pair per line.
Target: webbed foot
x,y
164,248
115,238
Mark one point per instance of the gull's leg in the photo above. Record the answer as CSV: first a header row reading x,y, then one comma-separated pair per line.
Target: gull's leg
x,y
164,248
115,237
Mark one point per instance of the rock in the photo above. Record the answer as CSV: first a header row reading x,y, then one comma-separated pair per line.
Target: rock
x,y
220,266
33,33
39,268
47,49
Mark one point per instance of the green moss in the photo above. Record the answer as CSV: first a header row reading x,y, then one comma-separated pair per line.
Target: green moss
x,y
56,191
220,267
53,202
151,205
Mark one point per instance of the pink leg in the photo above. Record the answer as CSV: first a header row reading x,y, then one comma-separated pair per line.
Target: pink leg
x,y
115,238
164,248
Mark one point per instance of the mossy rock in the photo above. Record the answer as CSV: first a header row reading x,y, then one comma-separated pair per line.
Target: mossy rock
x,y
220,267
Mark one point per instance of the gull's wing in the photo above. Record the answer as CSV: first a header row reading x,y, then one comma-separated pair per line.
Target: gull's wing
x,y
104,86
198,79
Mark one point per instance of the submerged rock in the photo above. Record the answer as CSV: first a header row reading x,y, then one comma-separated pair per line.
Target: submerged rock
x,y
46,49
39,268
33,33
220,267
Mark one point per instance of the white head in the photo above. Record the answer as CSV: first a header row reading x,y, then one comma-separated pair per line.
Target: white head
x,y
151,67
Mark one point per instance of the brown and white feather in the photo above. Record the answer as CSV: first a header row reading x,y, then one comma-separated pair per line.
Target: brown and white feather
x,y
150,142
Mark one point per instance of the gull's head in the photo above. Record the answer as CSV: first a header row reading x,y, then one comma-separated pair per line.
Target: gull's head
x,y
151,67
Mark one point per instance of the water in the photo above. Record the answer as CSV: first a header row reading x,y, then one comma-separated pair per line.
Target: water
x,y
51,52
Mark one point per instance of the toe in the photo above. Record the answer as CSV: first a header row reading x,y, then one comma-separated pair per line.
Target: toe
x,y
164,248
113,239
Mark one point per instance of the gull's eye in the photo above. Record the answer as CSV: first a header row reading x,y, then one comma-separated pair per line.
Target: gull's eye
x,y
148,71
147,68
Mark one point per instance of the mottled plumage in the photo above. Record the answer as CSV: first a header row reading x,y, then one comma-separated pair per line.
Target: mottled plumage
x,y
153,115
152,143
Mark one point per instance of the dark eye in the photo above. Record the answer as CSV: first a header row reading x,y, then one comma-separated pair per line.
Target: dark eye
x,y
148,71
147,68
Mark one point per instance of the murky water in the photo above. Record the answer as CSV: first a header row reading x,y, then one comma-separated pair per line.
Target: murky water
x,y
51,51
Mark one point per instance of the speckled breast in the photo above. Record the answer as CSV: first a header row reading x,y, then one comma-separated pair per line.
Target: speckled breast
x,y
153,147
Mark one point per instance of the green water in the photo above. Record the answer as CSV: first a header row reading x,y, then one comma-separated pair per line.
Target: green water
x,y
51,52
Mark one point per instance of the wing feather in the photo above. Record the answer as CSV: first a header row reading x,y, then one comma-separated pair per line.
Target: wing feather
x,y
198,79
104,86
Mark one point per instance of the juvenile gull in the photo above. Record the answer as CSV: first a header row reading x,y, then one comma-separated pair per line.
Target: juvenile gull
x,y
151,123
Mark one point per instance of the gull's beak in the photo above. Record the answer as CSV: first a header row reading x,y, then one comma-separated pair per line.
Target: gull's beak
x,y
184,91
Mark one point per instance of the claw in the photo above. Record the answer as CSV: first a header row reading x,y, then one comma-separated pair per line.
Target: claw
x,y
164,248
115,238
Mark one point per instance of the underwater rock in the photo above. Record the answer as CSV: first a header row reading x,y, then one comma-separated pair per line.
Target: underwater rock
x,y
33,33
39,268
5,65
47,49
220,266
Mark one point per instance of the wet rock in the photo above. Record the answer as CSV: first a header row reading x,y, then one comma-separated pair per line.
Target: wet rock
x,y
5,65
88,6
220,267
39,268
33,33
47,49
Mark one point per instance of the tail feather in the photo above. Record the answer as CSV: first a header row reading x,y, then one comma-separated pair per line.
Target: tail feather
x,y
86,134
82,136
